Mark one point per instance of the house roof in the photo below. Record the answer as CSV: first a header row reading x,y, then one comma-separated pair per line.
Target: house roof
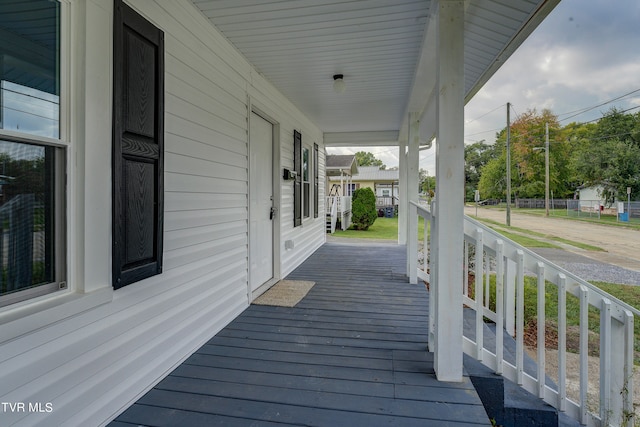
x,y
385,49
340,160
374,173
336,164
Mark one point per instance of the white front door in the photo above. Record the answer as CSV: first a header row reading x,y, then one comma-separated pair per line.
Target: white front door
x,y
261,201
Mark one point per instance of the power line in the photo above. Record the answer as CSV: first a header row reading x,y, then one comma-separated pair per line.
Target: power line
x,y
572,113
486,114
584,110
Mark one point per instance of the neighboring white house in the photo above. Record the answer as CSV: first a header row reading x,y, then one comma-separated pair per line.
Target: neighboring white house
x,y
593,192
166,164
591,199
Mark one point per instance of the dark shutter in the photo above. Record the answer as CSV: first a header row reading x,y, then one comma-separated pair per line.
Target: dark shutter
x,y
316,192
138,152
297,184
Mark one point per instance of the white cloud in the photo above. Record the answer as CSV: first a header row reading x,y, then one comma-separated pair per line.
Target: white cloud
x,y
583,54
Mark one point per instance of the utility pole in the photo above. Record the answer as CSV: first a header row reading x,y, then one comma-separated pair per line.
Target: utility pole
x,y
508,165
546,169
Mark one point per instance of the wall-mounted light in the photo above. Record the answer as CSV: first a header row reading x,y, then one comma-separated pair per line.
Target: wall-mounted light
x,y
338,83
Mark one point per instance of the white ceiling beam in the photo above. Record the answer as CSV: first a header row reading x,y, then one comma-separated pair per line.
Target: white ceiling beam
x,y
424,80
371,138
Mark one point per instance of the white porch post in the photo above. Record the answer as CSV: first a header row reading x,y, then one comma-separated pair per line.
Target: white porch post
x,y
403,205
412,195
449,190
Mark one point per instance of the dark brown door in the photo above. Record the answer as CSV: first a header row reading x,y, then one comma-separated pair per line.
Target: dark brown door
x,y
138,114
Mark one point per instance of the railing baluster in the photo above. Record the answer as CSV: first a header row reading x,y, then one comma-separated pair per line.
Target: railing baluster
x,y
562,342
605,360
519,315
478,296
426,245
412,245
627,397
487,279
433,231
584,353
465,262
499,306
542,376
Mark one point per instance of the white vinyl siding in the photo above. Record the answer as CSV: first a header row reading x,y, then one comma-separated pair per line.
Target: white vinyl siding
x,y
91,366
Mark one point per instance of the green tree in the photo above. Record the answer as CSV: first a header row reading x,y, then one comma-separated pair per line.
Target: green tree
x,y
365,158
493,181
615,125
363,208
528,158
476,156
427,183
608,153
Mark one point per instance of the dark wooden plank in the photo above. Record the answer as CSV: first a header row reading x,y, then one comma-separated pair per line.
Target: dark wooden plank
x,y
362,326
332,317
328,332
294,357
302,407
145,415
257,413
337,341
303,348
352,352
287,368
297,382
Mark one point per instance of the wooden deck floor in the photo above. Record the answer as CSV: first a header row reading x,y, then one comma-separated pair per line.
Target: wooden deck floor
x,y
351,353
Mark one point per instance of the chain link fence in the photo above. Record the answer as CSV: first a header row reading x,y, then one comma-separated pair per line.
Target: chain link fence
x,y
622,211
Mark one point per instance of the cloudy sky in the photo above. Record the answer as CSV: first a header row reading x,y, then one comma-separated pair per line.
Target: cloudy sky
x,y
587,52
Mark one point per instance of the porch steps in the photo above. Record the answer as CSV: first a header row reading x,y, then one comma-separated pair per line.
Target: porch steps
x,y
508,404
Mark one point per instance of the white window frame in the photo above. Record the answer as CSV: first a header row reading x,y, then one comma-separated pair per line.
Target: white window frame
x,y
60,145
306,198
32,314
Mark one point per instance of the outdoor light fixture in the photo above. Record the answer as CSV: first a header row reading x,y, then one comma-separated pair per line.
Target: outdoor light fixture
x,y
338,83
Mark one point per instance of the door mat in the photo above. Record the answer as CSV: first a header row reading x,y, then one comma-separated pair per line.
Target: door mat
x,y
285,293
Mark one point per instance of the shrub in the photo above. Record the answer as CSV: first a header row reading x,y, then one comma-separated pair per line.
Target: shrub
x,y
363,208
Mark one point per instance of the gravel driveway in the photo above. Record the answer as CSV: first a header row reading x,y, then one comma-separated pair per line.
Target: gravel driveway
x,y
620,263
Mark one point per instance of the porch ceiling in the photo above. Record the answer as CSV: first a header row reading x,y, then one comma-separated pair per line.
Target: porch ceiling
x,y
385,50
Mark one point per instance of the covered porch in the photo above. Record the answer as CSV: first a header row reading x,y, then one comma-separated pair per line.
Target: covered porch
x,y
352,352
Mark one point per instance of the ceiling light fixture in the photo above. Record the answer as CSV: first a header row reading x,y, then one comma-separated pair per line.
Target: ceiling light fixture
x,y
338,83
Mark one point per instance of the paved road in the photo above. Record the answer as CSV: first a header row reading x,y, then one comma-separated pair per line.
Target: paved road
x,y
622,245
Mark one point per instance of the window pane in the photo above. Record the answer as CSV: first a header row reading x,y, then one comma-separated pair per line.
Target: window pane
x,y
29,67
307,191
305,165
26,216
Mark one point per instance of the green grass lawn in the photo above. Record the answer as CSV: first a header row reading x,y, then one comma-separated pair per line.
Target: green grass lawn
x,y
383,228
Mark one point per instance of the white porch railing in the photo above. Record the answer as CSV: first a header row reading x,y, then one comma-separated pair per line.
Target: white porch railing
x,y
332,208
338,207
508,263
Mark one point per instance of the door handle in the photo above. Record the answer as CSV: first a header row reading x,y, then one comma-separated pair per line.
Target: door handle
x,y
272,212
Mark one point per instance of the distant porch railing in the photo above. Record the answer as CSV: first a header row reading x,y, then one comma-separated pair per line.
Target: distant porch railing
x,y
338,208
386,201
497,267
